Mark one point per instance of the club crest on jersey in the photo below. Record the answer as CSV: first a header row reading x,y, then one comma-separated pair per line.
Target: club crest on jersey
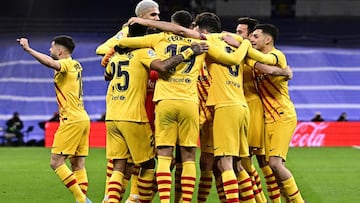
x,y
151,53
119,35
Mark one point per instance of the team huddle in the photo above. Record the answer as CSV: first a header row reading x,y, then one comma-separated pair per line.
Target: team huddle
x,y
171,84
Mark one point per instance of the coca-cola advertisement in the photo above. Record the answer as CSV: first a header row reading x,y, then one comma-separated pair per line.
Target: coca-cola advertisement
x,y
326,134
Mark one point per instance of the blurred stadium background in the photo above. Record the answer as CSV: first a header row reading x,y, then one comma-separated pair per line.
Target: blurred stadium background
x,y
320,38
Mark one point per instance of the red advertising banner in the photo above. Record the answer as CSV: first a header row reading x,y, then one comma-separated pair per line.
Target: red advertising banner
x,y
307,134
326,134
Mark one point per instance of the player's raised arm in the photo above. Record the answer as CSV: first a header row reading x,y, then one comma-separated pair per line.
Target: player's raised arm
x,y
148,41
42,58
225,58
270,59
235,40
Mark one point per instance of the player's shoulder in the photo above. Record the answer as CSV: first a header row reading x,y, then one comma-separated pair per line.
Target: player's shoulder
x,y
123,32
277,51
280,56
68,61
67,64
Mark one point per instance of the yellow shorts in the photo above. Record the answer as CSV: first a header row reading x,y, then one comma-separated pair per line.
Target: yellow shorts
x,y
125,140
230,131
256,133
72,139
278,136
176,121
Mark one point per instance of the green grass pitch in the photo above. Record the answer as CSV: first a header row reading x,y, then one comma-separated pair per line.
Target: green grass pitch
x,y
322,174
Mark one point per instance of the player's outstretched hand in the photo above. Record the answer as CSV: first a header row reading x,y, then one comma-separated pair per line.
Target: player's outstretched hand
x,y
199,48
24,43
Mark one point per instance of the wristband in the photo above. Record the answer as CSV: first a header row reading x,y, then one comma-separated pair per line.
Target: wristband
x,y
187,53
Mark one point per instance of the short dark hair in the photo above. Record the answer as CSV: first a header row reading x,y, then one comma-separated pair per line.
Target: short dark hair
x,y
209,22
269,29
250,22
65,41
182,17
136,30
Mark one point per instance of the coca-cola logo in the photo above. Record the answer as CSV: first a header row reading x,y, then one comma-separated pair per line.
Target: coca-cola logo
x,y
309,134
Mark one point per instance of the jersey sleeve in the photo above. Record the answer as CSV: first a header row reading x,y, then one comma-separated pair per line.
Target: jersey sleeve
x,y
66,65
282,63
270,58
276,57
111,42
233,58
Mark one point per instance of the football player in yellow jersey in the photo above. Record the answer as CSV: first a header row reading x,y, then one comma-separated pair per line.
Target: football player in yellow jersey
x,y
147,9
229,129
256,124
72,137
128,132
256,130
280,114
256,127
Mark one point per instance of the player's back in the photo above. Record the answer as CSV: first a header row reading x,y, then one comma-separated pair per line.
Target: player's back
x,y
227,81
180,83
127,90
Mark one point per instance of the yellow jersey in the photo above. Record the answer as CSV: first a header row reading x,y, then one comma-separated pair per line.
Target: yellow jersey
x,y
125,99
227,81
69,91
274,92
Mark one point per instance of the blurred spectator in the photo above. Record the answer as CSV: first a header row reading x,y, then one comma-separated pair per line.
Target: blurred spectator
x,y
317,117
55,118
342,117
14,126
